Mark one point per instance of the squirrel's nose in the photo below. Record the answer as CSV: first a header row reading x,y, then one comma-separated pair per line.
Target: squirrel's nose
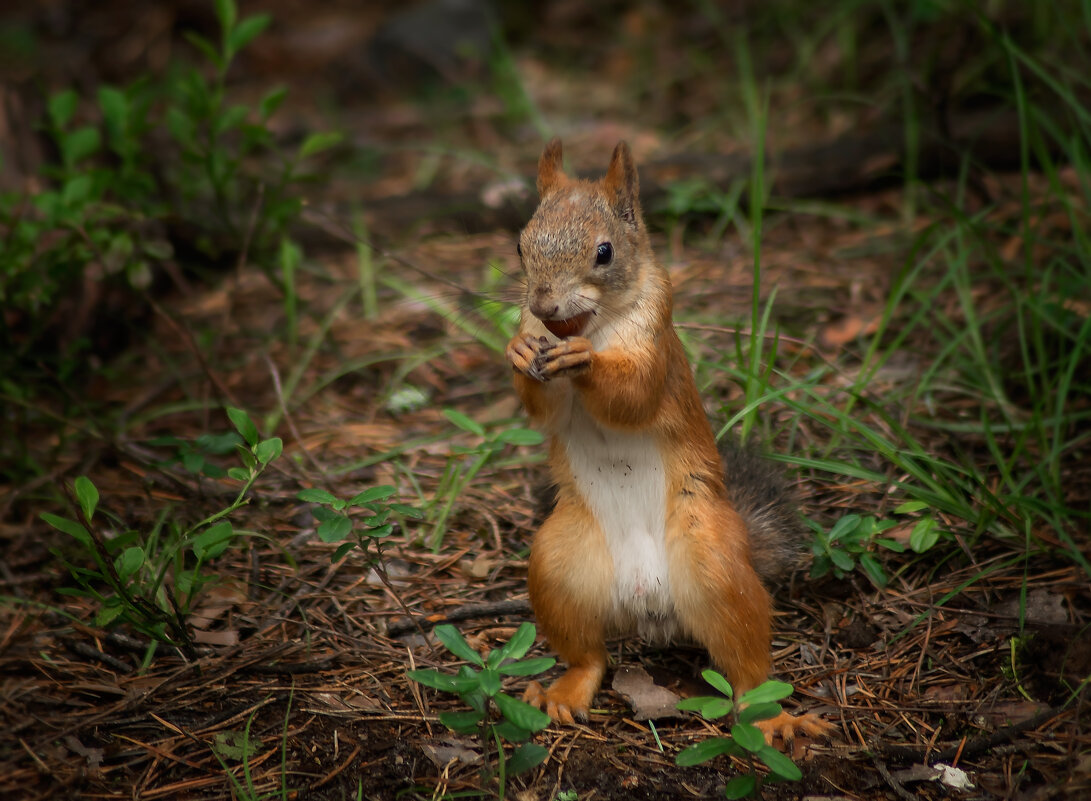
x,y
542,305
544,312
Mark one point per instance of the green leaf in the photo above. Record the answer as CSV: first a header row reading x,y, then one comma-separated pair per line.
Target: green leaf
x,y
269,449
748,736
130,561
76,190
705,750
79,144
489,682
709,707
181,127
239,473
213,541
244,425
381,531
521,713
434,679
108,614
452,638
342,549
230,119
909,507
226,13
844,526
526,757
464,722
70,527
219,444
271,102
528,667
779,764
115,109
741,787
718,681
842,560
518,645
873,569
335,529
924,535
316,495
768,691
376,520
246,456
464,422
62,106
760,712
245,32
520,436
87,495
317,142
406,511
890,545
510,732
379,493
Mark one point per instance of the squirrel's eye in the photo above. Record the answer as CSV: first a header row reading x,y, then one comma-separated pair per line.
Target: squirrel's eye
x,y
605,254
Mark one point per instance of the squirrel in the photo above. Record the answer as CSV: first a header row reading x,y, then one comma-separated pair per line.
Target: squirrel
x,y
645,535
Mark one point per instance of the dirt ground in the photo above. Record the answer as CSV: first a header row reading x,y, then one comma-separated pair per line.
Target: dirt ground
x,y
308,657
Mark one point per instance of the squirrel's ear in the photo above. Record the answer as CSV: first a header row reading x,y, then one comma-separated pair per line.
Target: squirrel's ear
x,y
621,181
550,172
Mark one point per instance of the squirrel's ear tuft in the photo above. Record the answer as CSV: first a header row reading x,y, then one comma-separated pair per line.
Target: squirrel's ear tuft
x,y
550,172
622,183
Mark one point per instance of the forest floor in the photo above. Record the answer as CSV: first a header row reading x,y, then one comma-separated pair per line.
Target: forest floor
x,y
296,685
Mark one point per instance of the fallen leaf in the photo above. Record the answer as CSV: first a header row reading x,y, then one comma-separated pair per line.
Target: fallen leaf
x,y
444,753
648,700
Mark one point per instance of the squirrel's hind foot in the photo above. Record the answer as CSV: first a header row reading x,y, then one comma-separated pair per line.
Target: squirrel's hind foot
x,y
787,726
568,699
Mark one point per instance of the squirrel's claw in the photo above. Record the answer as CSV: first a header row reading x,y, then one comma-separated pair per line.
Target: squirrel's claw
x,y
524,354
569,357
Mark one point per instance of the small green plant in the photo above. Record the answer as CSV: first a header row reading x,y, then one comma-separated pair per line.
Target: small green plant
x,y
746,740
465,463
104,212
481,690
151,579
335,524
242,747
852,540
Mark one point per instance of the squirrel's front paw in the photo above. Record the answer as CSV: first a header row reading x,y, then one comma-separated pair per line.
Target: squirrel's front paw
x,y
569,358
524,352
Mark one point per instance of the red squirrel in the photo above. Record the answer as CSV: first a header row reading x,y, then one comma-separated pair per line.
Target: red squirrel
x,y
644,536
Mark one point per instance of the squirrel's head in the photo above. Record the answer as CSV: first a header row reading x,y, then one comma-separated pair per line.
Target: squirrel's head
x,y
584,247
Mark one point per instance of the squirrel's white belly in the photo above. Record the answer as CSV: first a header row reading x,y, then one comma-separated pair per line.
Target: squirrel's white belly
x,y
622,479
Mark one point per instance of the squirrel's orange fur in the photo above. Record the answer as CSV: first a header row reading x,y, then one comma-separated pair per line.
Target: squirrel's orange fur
x,y
643,536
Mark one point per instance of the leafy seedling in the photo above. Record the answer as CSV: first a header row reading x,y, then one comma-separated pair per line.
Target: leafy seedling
x,y
151,579
481,690
746,741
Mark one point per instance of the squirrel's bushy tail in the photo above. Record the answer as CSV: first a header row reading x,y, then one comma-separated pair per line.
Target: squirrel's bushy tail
x,y
770,506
